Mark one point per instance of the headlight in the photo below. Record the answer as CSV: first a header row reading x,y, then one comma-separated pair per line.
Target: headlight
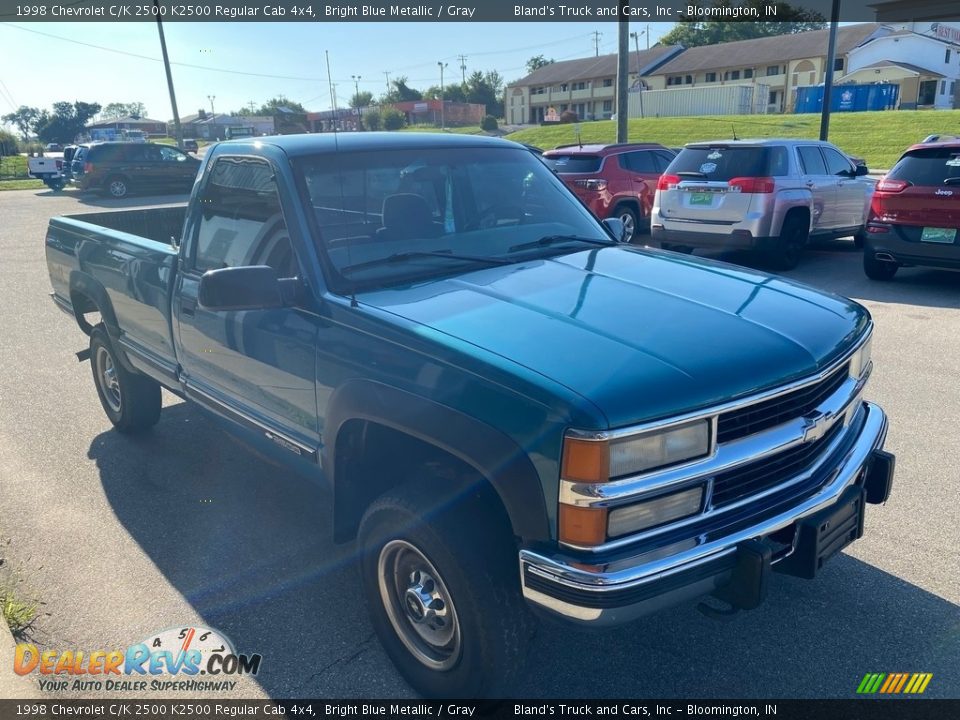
x,y
860,360
632,455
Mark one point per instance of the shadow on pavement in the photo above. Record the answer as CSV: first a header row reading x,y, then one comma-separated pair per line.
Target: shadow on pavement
x,y
249,546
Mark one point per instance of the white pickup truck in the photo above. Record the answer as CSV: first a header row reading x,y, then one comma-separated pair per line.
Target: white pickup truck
x,y
50,169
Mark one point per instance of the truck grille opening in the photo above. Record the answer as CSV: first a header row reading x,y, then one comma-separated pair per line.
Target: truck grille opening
x,y
755,477
775,411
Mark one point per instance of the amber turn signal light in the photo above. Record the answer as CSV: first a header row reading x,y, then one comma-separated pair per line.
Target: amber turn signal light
x,y
585,460
583,526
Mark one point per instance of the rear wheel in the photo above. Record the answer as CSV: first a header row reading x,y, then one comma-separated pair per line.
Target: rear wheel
x,y
443,590
131,401
117,186
631,223
882,270
859,238
786,250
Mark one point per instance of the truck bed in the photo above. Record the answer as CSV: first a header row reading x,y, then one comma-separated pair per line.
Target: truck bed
x,y
126,255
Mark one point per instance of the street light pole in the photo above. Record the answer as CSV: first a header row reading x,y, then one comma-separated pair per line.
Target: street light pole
x,y
442,119
356,96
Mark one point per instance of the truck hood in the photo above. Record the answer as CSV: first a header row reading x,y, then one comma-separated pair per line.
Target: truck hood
x,y
641,334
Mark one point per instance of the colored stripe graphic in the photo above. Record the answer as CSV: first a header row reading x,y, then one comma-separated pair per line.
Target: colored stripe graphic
x,y
894,683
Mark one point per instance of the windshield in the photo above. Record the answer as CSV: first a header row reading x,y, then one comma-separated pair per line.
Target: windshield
x,y
393,216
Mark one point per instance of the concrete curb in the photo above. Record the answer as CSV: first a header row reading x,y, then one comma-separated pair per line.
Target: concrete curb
x,y
13,686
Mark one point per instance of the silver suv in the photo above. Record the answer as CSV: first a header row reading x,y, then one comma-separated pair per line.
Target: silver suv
x,y
769,195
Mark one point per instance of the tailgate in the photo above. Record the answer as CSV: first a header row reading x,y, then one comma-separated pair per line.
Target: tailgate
x,y
923,206
704,201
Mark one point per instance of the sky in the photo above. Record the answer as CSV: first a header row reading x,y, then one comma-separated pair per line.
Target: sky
x,y
39,69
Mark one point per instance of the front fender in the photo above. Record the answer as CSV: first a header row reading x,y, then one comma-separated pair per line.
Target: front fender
x,y
484,448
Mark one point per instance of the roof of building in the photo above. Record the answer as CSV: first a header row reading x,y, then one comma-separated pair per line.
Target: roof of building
x,y
128,120
906,66
768,50
600,66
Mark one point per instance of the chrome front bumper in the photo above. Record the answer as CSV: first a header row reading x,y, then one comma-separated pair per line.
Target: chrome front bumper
x,y
620,591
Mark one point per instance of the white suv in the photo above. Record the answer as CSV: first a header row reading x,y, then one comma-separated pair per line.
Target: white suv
x,y
768,195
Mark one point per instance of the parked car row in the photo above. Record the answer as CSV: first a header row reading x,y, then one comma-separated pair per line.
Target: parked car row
x,y
774,196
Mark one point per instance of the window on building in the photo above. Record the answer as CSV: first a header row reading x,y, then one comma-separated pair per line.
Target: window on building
x,y
688,80
772,98
773,70
748,73
943,86
608,105
564,87
608,82
731,75
580,86
838,64
946,57
711,77
953,86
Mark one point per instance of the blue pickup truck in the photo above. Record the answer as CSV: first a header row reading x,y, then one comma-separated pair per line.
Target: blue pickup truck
x,y
519,414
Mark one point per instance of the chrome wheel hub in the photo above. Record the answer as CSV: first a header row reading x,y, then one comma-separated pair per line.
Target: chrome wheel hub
x,y
628,226
419,605
108,379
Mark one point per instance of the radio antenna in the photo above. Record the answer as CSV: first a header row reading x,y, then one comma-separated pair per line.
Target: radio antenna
x,y
337,163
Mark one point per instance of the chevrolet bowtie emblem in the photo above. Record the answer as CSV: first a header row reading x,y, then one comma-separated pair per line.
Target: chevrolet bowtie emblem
x,y
815,426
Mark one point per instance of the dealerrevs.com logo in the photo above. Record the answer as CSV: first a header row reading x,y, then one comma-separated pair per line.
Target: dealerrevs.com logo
x,y
188,658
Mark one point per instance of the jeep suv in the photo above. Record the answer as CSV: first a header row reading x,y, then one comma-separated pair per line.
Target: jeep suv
x,y
118,168
915,213
767,195
613,180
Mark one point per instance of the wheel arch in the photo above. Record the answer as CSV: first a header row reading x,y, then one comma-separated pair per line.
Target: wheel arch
x,y
364,415
87,295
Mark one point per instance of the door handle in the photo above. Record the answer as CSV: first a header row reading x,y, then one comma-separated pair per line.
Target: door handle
x,y
809,184
188,307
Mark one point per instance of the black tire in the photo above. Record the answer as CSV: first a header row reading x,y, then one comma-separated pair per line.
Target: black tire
x,y
131,401
116,186
881,270
785,251
628,216
55,185
859,238
470,549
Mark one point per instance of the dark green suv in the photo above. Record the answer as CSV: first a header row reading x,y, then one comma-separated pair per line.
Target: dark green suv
x,y
119,168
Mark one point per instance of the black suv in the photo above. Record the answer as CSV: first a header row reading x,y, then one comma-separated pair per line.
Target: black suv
x,y
117,168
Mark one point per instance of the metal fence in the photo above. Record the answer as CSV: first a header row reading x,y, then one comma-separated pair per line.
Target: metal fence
x,y
13,167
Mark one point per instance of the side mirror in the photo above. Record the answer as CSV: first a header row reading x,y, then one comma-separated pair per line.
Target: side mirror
x,y
616,228
862,170
254,287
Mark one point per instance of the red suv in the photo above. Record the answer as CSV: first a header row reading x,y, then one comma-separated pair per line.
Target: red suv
x,y
613,180
915,213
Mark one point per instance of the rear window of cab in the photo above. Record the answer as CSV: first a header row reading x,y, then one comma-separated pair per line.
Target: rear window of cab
x,y
724,163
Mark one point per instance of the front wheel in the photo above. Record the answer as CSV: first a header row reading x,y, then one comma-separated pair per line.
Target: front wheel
x,y
131,401
443,591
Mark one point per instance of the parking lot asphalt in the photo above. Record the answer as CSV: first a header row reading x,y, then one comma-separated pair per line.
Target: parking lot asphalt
x,y
119,538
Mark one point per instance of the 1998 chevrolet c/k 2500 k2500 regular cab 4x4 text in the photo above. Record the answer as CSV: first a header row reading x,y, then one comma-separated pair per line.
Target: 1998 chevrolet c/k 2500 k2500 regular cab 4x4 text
x,y
515,410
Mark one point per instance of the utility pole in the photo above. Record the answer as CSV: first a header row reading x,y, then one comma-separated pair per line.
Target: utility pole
x,y
636,43
623,69
442,119
463,68
828,78
356,96
166,66
596,42
213,115
387,74
647,32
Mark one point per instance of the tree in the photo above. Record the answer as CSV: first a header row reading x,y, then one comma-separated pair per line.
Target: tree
x,y
280,101
361,99
372,119
789,20
119,110
393,119
66,122
401,92
455,92
24,119
537,62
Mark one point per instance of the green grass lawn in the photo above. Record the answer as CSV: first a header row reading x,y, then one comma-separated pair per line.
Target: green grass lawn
x,y
13,174
469,130
878,137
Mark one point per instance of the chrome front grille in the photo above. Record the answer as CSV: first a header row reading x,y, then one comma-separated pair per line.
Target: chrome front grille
x,y
760,416
770,471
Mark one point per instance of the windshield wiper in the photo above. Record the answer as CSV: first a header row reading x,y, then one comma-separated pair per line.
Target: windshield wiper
x,y
554,239
952,181
414,254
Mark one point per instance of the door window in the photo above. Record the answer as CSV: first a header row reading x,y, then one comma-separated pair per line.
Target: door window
x,y
242,221
169,154
837,164
811,160
638,162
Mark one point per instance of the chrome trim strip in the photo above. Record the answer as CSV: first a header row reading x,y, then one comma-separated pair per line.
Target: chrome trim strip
x,y
726,407
727,456
563,572
282,439
62,303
